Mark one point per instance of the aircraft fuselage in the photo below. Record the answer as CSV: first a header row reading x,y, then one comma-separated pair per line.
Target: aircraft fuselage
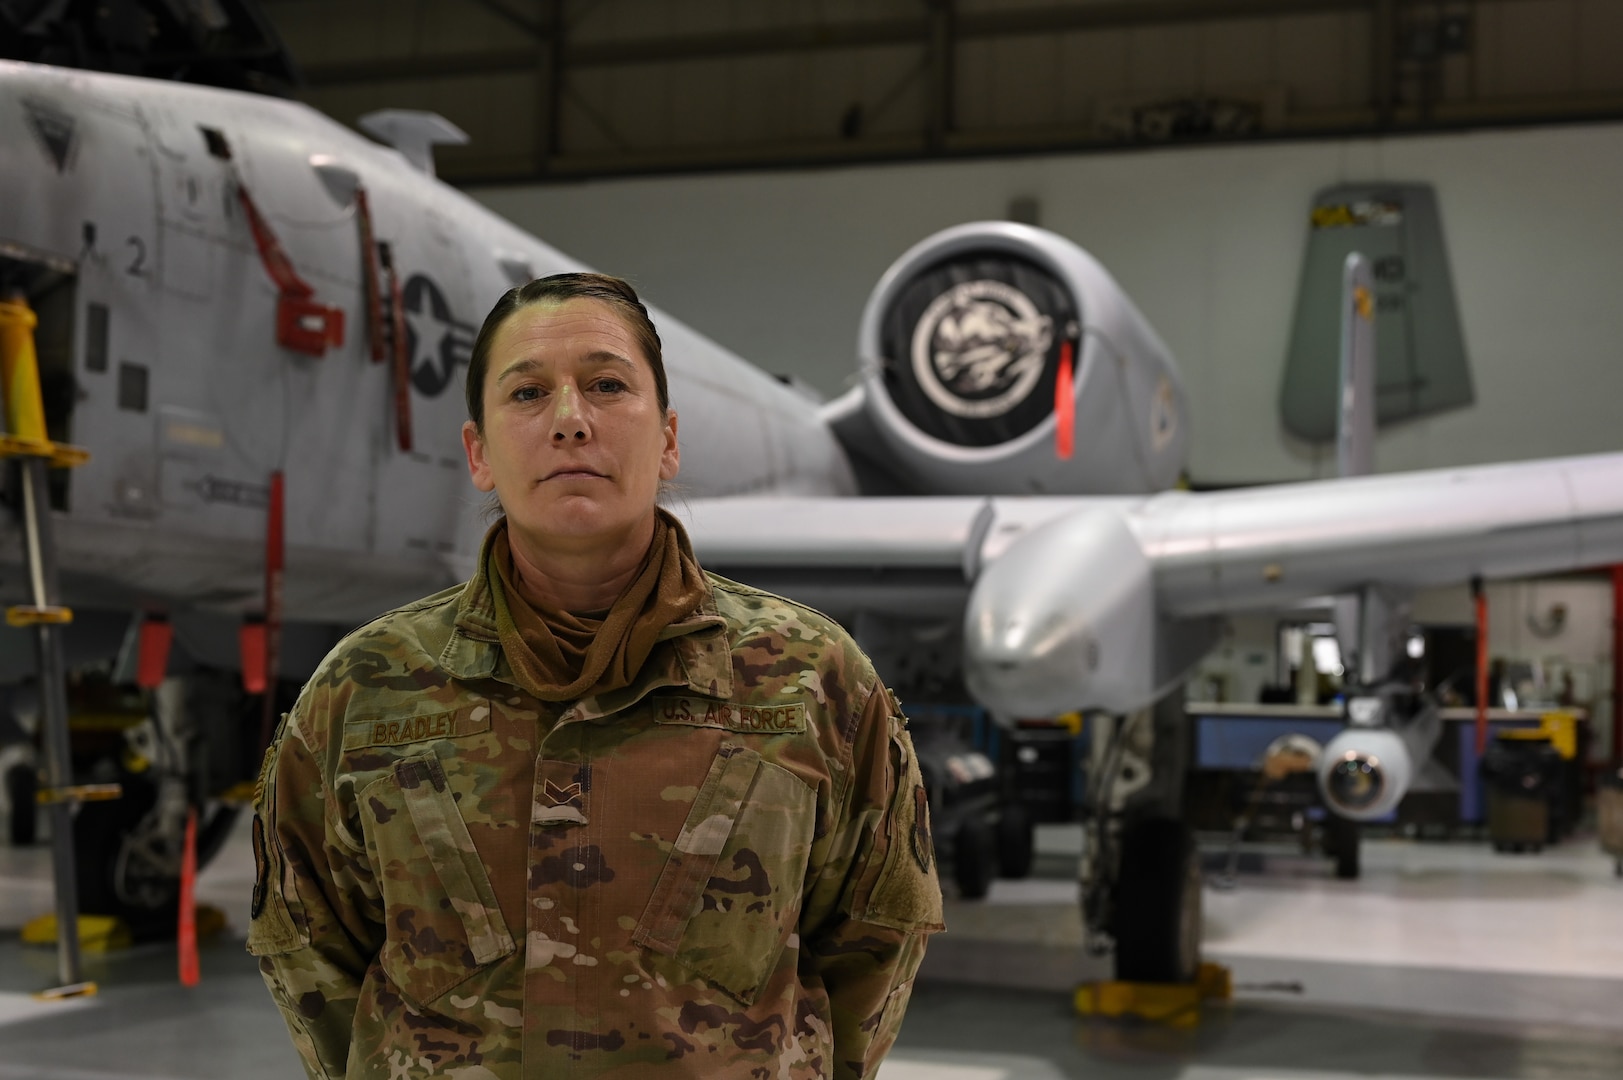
x,y
122,213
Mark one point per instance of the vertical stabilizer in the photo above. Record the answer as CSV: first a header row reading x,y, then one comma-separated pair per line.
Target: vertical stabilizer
x,y
1421,367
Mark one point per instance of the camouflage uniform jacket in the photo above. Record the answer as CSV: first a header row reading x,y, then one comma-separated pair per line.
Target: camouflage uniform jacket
x,y
722,870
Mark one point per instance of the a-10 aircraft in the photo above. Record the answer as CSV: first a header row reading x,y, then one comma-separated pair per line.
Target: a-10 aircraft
x,y
231,286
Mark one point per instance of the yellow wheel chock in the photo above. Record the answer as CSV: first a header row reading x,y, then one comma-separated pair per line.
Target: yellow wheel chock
x,y
1173,1004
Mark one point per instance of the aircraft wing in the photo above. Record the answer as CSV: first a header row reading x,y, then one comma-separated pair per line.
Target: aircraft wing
x,y
1068,602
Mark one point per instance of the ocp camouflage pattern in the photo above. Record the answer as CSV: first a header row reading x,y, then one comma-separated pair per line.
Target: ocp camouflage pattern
x,y
722,870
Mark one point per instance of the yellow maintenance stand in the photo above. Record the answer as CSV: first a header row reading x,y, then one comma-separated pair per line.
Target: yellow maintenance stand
x,y
25,437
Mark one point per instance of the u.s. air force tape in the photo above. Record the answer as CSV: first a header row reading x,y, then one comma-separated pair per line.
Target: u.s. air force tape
x,y
731,715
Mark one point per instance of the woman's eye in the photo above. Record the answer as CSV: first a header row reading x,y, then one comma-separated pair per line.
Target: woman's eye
x,y
608,386
527,393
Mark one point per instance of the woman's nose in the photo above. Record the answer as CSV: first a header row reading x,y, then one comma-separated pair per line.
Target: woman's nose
x,y
567,420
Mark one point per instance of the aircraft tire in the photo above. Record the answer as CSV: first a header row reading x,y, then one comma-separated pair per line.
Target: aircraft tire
x,y
1341,843
119,874
1157,904
1016,841
22,785
974,859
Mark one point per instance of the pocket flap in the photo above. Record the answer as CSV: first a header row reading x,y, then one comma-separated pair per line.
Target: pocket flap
x,y
699,844
450,849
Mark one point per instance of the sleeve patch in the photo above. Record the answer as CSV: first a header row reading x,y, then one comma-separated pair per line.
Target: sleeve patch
x,y
923,843
261,868
906,895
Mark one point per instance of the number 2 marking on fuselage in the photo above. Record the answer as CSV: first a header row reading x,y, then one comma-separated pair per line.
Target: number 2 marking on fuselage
x,y
138,266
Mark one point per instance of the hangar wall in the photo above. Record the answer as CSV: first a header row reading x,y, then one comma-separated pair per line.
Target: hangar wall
x,y
1561,628
1208,241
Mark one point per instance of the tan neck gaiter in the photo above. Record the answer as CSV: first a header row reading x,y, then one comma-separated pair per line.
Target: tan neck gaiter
x,y
561,655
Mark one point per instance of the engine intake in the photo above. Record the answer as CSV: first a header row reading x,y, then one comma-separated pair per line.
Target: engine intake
x,y
962,344
973,346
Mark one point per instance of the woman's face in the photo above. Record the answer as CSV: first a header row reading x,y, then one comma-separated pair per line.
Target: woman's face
x,y
575,442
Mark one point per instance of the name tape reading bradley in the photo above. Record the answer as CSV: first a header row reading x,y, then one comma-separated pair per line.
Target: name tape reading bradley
x,y
378,731
704,712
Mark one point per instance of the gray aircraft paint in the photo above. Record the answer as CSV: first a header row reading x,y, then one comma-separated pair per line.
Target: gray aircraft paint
x,y
170,509
1077,602
1421,363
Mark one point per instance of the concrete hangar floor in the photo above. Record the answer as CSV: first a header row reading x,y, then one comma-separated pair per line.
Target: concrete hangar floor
x,y
1441,961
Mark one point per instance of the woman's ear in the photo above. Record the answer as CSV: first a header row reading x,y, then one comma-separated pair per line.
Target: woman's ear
x,y
473,444
670,458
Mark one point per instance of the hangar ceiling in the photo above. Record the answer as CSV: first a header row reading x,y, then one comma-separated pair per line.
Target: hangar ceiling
x,y
573,88
562,88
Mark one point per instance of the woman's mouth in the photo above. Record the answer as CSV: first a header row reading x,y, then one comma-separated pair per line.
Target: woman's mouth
x,y
573,472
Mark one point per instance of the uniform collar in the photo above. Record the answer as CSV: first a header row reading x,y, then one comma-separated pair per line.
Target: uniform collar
x,y
694,653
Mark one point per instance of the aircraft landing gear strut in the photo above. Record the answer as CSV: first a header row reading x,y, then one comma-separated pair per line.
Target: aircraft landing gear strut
x,y
1140,872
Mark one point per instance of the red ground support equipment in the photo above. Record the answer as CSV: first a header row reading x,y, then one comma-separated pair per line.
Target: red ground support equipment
x,y
1480,595
152,658
275,561
251,652
302,324
190,973
402,351
377,334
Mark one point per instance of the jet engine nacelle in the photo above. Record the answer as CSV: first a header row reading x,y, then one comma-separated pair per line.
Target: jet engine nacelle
x,y
962,344
1367,768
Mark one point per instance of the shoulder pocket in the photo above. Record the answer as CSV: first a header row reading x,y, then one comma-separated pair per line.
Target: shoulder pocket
x,y
906,894
729,895
439,907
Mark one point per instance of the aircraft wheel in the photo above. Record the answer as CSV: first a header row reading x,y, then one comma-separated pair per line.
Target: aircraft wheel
x,y
100,830
1341,842
127,854
22,785
1016,841
1157,906
974,859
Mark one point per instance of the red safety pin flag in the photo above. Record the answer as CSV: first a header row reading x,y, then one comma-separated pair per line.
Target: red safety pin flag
x,y
1064,406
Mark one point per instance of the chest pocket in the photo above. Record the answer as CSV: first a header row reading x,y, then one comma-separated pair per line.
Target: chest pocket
x,y
441,917
729,896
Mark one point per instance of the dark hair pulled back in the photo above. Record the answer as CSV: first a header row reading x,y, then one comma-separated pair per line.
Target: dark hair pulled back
x,y
555,289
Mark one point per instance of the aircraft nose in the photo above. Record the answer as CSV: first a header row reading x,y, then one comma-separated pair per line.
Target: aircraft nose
x,y
1023,661
1063,620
